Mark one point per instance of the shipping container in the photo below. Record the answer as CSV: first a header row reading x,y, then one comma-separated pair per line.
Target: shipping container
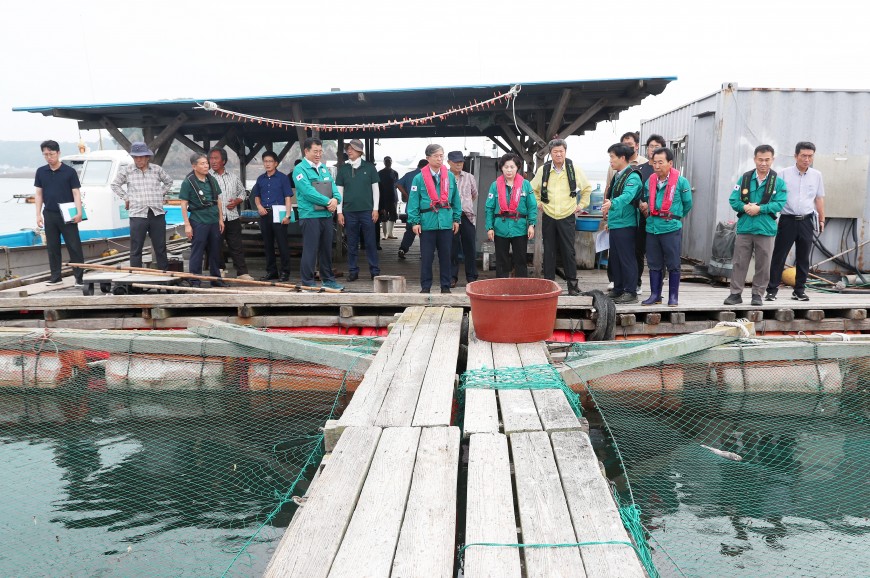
x,y
714,137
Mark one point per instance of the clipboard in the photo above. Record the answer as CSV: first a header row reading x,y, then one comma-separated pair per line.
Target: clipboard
x,y
325,189
278,214
69,211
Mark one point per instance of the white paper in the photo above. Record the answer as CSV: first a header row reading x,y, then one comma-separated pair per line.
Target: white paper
x,y
69,211
278,214
602,240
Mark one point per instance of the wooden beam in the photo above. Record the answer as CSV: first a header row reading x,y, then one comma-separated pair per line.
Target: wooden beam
x,y
538,139
499,143
582,119
297,116
116,133
225,139
287,146
253,152
514,141
161,153
192,145
559,112
282,344
168,132
612,362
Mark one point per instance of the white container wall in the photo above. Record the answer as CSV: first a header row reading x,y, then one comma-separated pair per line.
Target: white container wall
x,y
714,138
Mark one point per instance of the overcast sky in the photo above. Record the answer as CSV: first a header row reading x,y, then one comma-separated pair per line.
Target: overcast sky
x,y
98,52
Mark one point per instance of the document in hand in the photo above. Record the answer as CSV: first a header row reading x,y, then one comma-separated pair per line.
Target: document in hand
x,y
69,212
602,240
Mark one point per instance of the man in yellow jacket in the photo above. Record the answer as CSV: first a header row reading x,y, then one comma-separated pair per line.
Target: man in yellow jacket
x,y
562,190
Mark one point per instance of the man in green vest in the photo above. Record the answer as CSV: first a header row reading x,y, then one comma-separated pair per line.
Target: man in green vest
x,y
203,218
621,214
357,182
757,197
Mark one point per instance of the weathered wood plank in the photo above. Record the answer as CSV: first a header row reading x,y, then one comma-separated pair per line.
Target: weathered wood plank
x,y
283,344
481,411
481,406
490,510
544,515
607,363
370,541
404,390
309,545
435,403
427,540
593,511
518,412
370,394
554,410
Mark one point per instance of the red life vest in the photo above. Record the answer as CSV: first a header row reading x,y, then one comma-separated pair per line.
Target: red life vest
x,y
503,204
437,201
670,188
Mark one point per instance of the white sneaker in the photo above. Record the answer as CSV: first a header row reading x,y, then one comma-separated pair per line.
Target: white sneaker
x,y
58,282
246,277
78,284
610,286
639,288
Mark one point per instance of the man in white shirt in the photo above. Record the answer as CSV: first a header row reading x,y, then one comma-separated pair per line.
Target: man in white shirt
x,y
233,194
806,200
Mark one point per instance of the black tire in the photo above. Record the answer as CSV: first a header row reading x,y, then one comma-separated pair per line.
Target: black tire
x,y
105,288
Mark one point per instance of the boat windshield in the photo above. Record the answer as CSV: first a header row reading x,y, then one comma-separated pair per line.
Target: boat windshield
x,y
97,172
92,172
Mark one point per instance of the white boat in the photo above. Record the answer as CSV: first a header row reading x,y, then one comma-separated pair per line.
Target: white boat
x,y
107,227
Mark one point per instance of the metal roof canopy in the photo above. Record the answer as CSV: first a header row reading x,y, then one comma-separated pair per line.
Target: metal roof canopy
x,y
543,110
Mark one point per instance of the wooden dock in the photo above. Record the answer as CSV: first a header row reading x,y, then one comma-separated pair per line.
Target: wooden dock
x,y
385,501
701,306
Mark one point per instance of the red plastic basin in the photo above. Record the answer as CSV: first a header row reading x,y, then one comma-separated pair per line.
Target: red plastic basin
x,y
513,310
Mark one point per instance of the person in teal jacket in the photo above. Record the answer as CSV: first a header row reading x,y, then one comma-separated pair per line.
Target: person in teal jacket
x,y
667,198
511,214
620,210
757,198
317,200
434,212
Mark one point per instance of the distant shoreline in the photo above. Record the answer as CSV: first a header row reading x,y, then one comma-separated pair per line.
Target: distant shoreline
x,y
18,175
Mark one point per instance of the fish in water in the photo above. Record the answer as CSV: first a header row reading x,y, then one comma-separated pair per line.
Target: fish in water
x,y
724,454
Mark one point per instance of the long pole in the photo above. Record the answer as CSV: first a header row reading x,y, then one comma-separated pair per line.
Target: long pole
x,y
180,275
841,253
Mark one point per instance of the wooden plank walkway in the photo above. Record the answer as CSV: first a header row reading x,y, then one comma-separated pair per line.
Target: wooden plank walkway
x,y
561,495
385,502
411,380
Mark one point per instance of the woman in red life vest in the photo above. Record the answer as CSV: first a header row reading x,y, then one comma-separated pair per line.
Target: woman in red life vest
x,y
511,213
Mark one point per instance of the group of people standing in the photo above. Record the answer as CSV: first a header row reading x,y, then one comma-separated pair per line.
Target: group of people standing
x,y
645,203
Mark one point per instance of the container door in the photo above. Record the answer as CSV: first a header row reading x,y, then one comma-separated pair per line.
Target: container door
x,y
699,226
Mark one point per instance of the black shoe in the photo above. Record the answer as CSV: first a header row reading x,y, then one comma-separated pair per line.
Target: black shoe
x,y
799,296
352,277
424,290
375,275
454,282
402,254
445,290
756,301
771,296
613,293
270,277
284,278
734,299
626,298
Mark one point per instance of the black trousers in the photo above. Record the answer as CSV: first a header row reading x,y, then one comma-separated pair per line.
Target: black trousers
x,y
205,236
442,240
153,226
464,240
317,235
558,235
272,233
639,249
510,253
622,260
791,231
233,239
54,228
407,239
